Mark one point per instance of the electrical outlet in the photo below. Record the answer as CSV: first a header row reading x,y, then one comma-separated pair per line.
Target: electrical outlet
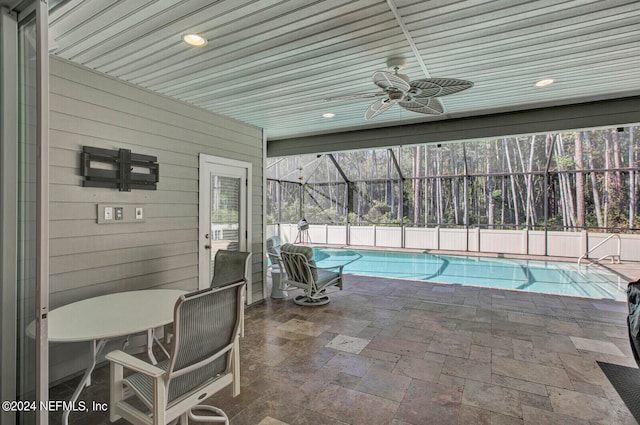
x,y
108,213
119,213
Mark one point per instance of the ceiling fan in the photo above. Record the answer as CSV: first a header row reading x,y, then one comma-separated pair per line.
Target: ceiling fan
x,y
418,96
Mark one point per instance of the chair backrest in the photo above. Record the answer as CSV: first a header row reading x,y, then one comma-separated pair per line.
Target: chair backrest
x,y
230,267
298,263
205,327
273,249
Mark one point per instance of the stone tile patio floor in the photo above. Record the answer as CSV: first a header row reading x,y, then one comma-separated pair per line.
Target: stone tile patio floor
x,y
400,352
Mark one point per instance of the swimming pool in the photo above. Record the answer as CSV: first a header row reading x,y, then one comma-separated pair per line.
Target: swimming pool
x,y
526,275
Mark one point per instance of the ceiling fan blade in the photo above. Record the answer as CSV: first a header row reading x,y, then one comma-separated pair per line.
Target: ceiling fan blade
x,y
424,105
377,107
355,96
388,81
424,88
447,85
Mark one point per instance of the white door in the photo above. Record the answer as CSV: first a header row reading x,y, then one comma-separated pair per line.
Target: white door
x,y
224,195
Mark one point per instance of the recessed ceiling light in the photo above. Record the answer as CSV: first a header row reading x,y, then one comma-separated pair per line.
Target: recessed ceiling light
x,y
544,82
329,115
194,39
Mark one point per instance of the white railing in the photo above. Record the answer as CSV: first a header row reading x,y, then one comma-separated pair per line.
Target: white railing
x,y
614,257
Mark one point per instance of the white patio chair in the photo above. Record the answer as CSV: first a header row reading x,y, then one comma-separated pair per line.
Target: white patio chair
x,y
274,246
230,267
303,273
204,359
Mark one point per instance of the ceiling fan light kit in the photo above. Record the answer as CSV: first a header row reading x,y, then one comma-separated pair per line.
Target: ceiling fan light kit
x,y
419,96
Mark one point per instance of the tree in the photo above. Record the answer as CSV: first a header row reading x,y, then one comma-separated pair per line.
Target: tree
x,y
594,183
580,207
575,178
417,183
513,183
632,181
531,212
489,195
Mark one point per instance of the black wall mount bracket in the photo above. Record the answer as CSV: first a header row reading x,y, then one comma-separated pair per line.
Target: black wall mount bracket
x,y
118,169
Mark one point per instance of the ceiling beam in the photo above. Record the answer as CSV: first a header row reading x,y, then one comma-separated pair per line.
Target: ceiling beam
x,y
407,35
612,112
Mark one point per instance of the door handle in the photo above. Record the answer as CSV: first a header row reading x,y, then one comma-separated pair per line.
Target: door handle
x,y
207,247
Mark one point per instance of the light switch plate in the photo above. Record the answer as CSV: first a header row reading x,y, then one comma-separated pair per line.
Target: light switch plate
x,y
116,213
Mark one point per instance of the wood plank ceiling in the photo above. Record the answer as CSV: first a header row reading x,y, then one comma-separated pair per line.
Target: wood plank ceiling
x,y
272,63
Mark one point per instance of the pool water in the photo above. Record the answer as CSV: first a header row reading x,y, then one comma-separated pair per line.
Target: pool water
x,y
526,275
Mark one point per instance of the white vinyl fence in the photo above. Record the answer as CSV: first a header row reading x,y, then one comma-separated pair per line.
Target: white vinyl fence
x,y
526,242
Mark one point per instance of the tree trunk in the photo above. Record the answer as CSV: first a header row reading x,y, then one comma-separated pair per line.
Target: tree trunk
x,y
439,188
594,182
360,192
454,186
513,183
530,199
528,204
607,176
387,184
580,206
426,187
616,159
489,195
632,182
504,190
566,199
417,184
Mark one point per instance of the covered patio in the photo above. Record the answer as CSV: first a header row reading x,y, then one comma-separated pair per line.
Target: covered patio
x,y
203,138
400,352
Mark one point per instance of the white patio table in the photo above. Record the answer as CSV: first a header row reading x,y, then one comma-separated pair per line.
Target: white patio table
x,y
105,317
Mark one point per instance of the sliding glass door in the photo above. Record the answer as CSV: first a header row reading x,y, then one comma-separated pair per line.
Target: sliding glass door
x,y
8,200
27,253
24,200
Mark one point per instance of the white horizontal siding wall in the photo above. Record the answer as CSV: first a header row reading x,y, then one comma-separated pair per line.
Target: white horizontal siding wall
x,y
89,259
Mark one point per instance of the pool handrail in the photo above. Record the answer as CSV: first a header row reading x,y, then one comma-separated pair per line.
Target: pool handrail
x,y
615,258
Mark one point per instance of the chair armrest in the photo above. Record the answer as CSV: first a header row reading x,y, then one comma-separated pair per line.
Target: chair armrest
x,y
134,363
328,268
